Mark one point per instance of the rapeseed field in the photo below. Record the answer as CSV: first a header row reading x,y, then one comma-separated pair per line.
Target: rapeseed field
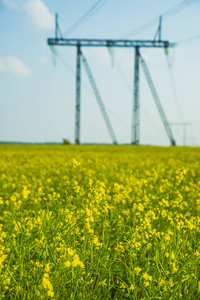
x,y
99,222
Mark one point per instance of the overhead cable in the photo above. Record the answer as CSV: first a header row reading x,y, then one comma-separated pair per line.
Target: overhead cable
x,y
165,15
62,4
98,4
188,40
174,88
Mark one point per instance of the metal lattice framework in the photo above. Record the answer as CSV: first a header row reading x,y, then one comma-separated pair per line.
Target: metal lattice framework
x,y
137,44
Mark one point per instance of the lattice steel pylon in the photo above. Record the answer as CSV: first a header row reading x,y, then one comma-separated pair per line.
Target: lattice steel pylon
x,y
137,44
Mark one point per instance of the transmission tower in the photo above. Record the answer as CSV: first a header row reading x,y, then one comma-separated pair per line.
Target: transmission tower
x,y
122,43
184,129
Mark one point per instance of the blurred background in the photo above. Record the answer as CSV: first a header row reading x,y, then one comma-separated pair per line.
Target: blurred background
x,y
37,84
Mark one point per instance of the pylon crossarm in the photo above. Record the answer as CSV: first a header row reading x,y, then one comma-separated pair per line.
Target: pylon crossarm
x,y
109,43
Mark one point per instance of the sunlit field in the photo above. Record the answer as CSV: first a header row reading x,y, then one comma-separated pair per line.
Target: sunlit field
x,y
99,222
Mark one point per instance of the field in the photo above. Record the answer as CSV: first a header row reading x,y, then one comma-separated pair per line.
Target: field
x,y
99,222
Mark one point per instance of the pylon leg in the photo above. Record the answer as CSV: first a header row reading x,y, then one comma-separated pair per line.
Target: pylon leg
x,y
78,95
135,138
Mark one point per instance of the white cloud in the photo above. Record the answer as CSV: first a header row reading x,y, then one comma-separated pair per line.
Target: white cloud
x,y
39,14
15,66
12,4
1,66
35,9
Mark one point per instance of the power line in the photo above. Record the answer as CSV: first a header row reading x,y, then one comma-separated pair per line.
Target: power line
x,y
86,16
188,40
165,15
174,88
62,4
65,64
169,64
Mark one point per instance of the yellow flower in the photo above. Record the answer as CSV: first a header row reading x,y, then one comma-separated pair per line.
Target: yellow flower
x,y
50,293
137,270
47,285
199,287
146,276
174,268
172,256
81,264
47,268
70,251
67,264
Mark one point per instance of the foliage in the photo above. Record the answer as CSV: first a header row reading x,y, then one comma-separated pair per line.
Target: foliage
x,y
66,142
99,222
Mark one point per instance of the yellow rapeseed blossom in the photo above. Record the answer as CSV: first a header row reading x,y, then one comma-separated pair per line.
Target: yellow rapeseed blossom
x,y
117,221
67,264
47,285
137,270
146,276
70,251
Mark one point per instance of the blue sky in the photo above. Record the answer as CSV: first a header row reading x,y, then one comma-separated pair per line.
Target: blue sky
x,y
37,97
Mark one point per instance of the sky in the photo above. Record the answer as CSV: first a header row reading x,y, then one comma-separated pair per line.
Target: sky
x,y
37,87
